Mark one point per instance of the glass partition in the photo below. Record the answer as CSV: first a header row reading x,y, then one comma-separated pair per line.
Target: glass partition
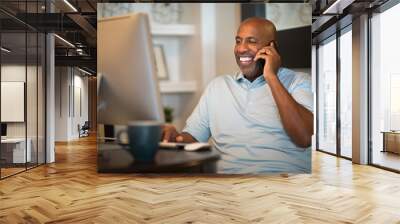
x,y
346,93
22,91
31,99
385,89
327,95
14,154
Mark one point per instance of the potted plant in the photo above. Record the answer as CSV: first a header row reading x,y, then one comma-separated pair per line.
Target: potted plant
x,y
168,113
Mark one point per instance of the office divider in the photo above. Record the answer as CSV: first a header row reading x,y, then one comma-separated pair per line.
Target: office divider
x,y
22,79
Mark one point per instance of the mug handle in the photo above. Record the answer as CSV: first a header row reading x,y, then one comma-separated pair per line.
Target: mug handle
x,y
118,139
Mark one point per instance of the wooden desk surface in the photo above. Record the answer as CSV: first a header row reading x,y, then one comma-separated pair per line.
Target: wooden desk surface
x,y
13,140
112,158
391,141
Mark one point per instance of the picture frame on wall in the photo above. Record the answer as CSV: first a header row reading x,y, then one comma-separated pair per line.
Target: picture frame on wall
x,y
161,66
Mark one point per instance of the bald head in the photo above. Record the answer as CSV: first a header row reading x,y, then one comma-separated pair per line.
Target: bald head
x,y
252,35
264,26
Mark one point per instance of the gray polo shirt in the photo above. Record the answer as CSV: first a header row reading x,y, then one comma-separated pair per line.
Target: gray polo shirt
x,y
242,121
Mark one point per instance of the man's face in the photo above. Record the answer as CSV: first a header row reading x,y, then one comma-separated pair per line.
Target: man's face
x,y
250,38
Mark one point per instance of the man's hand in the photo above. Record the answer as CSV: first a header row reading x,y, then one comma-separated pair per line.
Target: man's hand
x,y
170,134
272,60
297,120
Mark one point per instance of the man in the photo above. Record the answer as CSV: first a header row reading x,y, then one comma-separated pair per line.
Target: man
x,y
259,119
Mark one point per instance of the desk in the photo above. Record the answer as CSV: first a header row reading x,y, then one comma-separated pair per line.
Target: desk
x,y
13,150
112,158
391,141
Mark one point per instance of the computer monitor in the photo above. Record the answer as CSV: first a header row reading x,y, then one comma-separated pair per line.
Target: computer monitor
x,y
128,85
3,129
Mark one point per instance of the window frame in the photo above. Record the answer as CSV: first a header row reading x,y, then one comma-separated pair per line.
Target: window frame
x,y
333,37
27,29
378,10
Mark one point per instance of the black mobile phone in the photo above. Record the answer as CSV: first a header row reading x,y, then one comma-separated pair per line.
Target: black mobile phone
x,y
260,63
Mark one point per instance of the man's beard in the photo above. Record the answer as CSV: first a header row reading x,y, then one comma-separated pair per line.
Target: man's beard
x,y
257,71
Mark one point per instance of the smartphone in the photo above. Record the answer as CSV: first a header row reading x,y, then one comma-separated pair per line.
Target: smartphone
x,y
260,63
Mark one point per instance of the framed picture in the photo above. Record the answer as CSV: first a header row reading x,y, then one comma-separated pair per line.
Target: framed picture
x,y
162,70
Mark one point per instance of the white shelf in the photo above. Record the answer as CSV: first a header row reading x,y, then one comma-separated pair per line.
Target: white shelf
x,y
173,30
178,87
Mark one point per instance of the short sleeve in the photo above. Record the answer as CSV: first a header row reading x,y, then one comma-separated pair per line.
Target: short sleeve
x,y
301,91
198,124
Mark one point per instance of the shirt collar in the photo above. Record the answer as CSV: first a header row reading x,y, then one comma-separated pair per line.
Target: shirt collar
x,y
239,76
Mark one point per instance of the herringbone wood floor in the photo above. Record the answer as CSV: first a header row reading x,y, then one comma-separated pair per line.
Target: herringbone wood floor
x,y
71,191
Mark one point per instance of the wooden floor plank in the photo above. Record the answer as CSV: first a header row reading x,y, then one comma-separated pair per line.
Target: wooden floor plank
x,y
71,191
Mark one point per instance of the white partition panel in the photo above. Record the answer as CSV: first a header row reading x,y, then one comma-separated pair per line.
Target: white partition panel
x,y
12,101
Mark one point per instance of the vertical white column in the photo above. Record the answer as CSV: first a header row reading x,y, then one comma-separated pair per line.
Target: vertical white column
x,y
360,90
314,90
50,92
208,41
50,99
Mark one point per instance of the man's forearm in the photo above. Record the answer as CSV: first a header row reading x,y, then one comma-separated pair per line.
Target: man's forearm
x,y
297,120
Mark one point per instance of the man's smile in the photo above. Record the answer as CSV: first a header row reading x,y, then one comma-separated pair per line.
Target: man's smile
x,y
245,60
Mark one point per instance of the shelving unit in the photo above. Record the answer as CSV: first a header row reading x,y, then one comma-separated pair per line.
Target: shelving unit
x,y
172,30
188,49
178,87
174,33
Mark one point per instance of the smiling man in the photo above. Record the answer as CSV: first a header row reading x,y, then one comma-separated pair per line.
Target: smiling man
x,y
259,119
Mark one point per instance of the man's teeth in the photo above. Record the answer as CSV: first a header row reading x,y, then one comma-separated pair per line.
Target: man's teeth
x,y
245,59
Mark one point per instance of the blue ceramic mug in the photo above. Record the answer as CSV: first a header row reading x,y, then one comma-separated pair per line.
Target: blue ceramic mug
x,y
143,139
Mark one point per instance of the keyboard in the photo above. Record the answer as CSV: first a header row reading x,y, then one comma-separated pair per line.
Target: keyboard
x,y
191,147
172,145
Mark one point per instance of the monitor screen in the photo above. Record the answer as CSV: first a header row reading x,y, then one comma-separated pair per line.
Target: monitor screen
x,y
128,84
3,129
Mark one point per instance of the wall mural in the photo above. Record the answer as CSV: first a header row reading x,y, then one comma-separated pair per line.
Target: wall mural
x,y
164,13
289,15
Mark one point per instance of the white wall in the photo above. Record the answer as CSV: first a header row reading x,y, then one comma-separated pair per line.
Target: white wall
x,y
182,54
61,103
33,127
70,83
79,117
188,58
188,66
228,20
15,72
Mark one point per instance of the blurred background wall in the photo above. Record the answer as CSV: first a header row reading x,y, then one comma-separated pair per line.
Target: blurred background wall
x,y
198,40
